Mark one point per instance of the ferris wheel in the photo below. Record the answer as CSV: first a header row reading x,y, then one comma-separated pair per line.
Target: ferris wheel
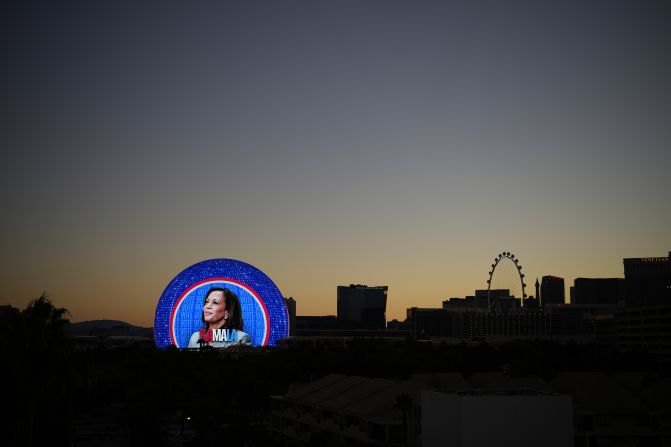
x,y
516,262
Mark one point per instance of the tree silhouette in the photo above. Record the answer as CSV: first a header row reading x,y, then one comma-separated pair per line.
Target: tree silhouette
x,y
41,372
44,325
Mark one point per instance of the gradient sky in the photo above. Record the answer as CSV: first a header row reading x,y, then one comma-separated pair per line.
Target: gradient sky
x,y
327,143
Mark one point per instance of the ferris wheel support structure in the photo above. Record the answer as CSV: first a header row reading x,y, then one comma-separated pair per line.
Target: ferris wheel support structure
x,y
516,262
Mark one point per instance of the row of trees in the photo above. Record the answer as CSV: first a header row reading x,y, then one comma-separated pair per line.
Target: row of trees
x,y
36,373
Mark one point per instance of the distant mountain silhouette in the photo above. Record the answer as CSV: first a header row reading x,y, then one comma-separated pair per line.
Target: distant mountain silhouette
x,y
107,328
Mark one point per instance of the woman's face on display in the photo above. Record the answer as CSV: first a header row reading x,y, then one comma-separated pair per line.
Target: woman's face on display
x,y
214,309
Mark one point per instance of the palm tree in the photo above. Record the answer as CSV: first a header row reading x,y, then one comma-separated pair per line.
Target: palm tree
x,y
43,362
44,326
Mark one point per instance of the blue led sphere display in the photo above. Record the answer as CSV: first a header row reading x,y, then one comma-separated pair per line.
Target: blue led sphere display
x,y
180,313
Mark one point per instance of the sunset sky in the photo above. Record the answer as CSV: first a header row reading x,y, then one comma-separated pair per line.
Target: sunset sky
x,y
327,143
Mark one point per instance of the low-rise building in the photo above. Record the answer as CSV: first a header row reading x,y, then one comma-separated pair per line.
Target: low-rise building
x,y
490,419
607,413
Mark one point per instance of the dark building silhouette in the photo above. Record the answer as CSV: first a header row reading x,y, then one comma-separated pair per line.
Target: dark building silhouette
x,y
317,322
637,329
467,304
533,324
432,323
647,281
552,290
328,330
426,322
501,301
531,303
363,305
396,325
619,409
573,320
598,291
291,313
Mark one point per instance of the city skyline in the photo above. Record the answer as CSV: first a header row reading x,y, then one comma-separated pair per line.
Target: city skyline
x,y
395,309
384,143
